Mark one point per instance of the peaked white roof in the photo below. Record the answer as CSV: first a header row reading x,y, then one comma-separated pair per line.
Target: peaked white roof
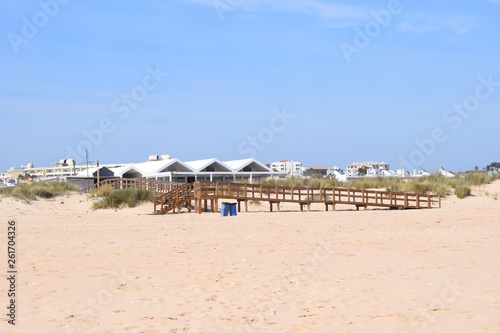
x,y
239,165
91,172
446,173
156,167
83,173
120,171
199,165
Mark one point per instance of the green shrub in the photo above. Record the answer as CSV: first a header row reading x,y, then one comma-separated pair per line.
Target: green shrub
x,y
477,178
419,187
102,191
440,189
304,182
129,197
462,191
39,189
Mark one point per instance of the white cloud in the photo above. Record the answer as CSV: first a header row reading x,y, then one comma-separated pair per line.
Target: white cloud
x,y
410,27
457,24
462,24
317,8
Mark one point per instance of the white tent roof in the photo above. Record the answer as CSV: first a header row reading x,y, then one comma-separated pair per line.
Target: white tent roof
x,y
91,172
83,173
239,165
200,165
120,171
156,167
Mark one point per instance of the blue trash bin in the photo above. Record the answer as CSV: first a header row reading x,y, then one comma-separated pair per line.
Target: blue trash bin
x,y
233,211
224,210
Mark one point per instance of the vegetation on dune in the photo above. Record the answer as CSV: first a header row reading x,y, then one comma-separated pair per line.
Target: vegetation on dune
x,y
33,190
304,182
112,198
434,184
462,191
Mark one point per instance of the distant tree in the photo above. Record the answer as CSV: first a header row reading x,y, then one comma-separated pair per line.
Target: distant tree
x,y
494,166
24,176
316,174
363,170
476,168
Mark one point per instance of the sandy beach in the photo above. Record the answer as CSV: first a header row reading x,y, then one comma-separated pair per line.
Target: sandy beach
x,y
379,270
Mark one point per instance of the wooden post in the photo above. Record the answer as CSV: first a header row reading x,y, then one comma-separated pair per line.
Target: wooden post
x,y
177,201
333,198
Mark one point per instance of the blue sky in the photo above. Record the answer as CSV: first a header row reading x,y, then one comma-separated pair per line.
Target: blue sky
x,y
322,82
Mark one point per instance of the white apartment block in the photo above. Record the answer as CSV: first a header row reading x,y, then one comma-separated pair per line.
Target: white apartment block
x,y
291,168
373,169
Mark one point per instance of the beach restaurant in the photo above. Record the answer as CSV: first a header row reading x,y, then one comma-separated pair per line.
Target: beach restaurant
x,y
174,170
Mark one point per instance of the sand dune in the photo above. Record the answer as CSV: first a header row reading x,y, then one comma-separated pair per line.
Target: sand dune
x,y
345,271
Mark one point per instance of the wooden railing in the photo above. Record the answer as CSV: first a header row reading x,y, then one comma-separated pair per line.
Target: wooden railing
x,y
157,186
307,196
174,199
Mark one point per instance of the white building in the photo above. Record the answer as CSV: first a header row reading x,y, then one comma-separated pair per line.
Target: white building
x,y
290,168
174,170
446,173
65,167
337,173
417,173
373,169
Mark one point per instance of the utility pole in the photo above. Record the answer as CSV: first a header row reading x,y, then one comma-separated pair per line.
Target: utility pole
x,y
98,175
87,159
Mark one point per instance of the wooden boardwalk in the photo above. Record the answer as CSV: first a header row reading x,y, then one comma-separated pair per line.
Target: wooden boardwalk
x,y
205,196
203,193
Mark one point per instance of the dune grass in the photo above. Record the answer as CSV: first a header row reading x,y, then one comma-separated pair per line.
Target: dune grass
x,y
462,192
112,198
434,184
36,190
